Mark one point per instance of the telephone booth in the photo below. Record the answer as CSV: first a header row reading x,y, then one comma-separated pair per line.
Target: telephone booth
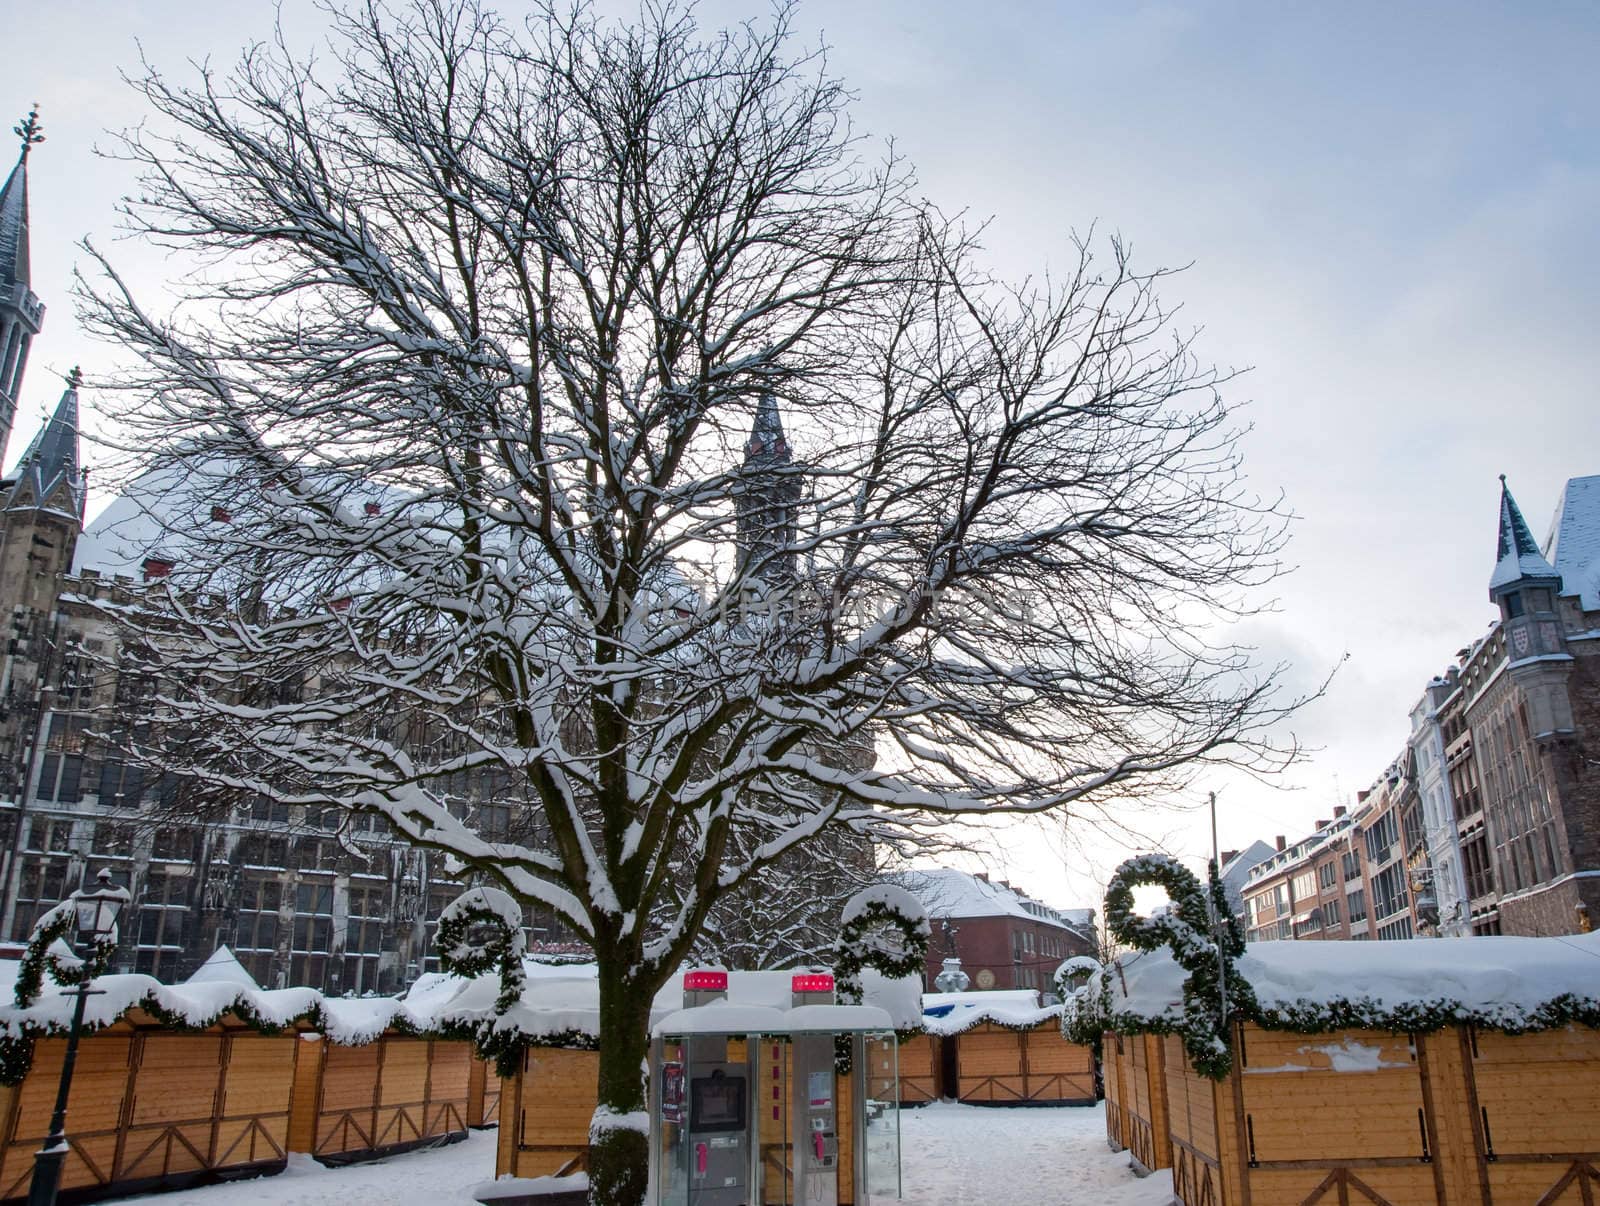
x,y
754,1104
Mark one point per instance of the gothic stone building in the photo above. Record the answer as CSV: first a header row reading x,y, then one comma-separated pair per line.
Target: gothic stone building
x,y
300,897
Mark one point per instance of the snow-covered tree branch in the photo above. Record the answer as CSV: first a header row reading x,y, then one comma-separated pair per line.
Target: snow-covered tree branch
x,y
584,412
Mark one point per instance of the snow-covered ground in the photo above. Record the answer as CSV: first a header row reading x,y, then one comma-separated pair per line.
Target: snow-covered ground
x,y
953,1155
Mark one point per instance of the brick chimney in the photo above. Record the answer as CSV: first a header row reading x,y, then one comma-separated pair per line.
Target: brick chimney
x,y
1339,810
1280,841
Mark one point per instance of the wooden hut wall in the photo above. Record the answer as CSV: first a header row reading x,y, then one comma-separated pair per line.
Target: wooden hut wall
x,y
149,1109
1000,1065
483,1095
919,1070
1464,1117
546,1112
1114,1069
388,1094
1145,1088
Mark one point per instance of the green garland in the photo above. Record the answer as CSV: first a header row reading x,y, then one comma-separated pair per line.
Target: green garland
x,y
1184,927
474,938
39,957
853,951
1070,970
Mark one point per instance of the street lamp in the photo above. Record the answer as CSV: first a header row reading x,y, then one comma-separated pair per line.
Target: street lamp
x,y
96,914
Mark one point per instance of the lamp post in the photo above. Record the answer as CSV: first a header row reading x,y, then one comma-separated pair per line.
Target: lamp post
x,y
96,913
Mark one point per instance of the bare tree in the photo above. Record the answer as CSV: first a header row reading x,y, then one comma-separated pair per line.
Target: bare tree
x,y
474,423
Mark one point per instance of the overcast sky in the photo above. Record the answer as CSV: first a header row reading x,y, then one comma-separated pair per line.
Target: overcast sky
x,y
1391,214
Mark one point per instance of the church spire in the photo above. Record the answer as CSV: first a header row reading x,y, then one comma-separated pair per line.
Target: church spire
x,y
766,444
21,313
1517,557
767,498
49,476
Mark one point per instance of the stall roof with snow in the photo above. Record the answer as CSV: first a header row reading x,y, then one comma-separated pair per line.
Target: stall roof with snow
x,y
1504,983
948,1013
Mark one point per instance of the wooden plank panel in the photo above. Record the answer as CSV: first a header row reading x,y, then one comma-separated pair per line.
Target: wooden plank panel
x,y
405,1071
177,1078
260,1076
306,1092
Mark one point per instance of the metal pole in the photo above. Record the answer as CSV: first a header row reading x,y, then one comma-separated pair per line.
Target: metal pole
x,y
1217,923
47,1164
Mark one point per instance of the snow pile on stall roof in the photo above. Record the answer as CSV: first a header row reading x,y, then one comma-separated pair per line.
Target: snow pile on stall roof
x,y
558,1003
1573,545
892,897
947,1013
563,1003
223,967
350,1021
1490,980
1012,998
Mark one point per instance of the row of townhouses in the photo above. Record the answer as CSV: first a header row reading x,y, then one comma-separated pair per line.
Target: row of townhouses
x,y
1488,821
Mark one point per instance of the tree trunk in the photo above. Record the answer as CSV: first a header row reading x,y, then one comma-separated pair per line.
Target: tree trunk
x,y
619,1137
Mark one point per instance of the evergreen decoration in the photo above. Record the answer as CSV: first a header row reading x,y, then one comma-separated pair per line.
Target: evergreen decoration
x,y
1185,926
481,932
1070,970
867,916
47,952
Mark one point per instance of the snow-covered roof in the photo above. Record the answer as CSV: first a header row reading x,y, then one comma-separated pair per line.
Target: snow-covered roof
x,y
1573,545
947,892
1517,556
1504,982
558,1003
563,1003
223,968
947,1013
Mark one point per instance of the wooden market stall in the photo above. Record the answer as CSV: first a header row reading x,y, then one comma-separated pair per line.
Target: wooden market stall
x,y
1004,1049
152,1109
1457,1071
215,1078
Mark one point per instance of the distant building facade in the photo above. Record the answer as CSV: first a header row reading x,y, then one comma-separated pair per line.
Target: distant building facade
x,y
1489,821
1003,938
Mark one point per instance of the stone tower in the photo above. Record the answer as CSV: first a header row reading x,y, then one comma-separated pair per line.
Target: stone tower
x,y
1524,586
21,313
767,499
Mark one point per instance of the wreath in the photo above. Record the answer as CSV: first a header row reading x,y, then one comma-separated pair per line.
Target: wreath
x,y
480,931
867,916
1078,968
1186,927
48,951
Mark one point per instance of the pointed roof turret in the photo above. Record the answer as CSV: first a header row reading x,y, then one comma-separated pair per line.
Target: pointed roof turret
x,y
1518,558
14,267
767,443
50,465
